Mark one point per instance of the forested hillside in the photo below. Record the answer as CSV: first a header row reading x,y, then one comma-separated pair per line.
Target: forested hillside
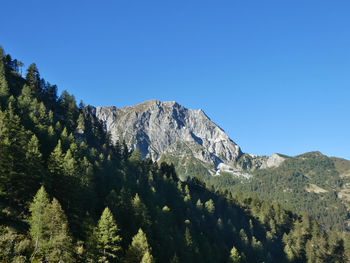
x,y
68,195
311,182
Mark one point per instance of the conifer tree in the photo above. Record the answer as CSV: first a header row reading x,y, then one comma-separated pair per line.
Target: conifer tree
x,y
107,238
56,180
69,164
33,79
37,219
25,99
140,211
209,205
81,124
59,243
199,204
51,96
4,90
147,258
135,156
235,257
34,164
38,113
49,230
56,160
138,248
69,109
188,237
244,237
13,144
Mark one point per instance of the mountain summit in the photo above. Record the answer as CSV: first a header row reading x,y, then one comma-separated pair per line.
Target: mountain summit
x,y
167,131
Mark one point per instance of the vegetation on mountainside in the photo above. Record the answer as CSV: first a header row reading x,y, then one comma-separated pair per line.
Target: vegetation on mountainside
x,y
68,195
306,183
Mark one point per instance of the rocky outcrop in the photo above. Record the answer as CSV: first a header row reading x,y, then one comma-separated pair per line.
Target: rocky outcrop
x,y
274,160
159,129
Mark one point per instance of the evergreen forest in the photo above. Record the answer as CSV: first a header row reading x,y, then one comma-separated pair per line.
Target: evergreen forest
x,y
67,194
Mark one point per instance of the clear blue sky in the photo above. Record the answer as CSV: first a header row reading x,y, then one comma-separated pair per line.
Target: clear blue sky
x,y
275,75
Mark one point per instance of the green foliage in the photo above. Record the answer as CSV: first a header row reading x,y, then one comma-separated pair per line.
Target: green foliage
x,y
4,89
306,183
14,247
147,258
49,229
235,257
14,139
58,247
37,219
209,205
108,240
139,250
33,79
188,238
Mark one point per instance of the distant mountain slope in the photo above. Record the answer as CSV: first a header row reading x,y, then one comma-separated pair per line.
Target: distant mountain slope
x,y
311,182
167,131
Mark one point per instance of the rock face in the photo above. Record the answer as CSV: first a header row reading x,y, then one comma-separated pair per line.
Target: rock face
x,y
273,161
161,130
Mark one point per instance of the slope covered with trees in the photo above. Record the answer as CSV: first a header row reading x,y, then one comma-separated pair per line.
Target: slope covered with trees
x,y
68,195
311,182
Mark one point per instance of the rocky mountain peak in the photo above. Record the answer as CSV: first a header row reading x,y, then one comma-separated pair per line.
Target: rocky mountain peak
x,y
169,131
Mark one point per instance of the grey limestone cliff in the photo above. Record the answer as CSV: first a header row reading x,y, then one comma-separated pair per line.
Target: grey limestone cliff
x,y
169,131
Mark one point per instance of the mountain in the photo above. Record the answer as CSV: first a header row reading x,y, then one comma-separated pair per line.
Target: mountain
x,y
167,131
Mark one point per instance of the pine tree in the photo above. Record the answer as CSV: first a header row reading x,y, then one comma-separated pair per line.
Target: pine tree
x,y
188,238
107,238
56,180
140,211
135,156
81,124
13,144
147,258
235,257
69,164
59,243
37,219
138,248
244,237
38,113
56,160
199,204
34,164
49,230
209,205
33,79
4,90
25,99
69,109
51,96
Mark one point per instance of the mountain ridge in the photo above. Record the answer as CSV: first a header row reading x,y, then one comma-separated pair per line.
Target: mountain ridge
x,y
169,131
